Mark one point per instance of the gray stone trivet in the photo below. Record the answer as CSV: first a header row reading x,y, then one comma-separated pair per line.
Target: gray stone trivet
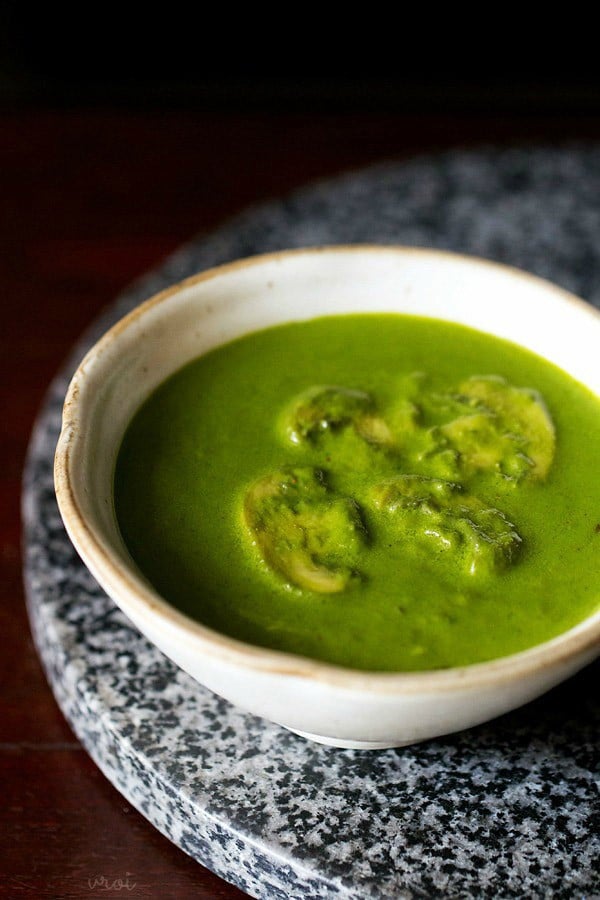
x,y
509,809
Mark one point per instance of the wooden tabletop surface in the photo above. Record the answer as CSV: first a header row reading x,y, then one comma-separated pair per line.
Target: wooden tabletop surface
x,y
92,198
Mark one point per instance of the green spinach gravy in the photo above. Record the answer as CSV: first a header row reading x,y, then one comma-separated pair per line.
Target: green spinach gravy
x,y
379,491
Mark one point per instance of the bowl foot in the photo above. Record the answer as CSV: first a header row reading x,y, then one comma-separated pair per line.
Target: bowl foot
x,y
348,744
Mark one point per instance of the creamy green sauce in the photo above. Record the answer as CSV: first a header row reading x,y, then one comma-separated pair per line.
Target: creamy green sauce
x,y
382,492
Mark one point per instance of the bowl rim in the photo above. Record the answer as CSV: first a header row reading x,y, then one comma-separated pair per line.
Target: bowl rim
x,y
132,593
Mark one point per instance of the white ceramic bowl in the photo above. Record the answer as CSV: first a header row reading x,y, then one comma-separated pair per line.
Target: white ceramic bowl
x,y
337,706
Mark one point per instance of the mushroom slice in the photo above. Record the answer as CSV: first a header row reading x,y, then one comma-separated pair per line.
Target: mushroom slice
x,y
327,408
304,531
458,531
506,429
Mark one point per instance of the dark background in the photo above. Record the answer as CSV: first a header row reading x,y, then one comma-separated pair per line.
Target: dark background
x,y
299,59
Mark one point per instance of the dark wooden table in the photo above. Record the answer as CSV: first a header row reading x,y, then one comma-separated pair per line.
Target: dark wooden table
x,y
91,199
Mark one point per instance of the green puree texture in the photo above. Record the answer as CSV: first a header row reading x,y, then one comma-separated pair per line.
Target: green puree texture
x,y
214,428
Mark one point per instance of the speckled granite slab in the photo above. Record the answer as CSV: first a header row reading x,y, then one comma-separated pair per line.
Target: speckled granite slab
x,y
509,809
